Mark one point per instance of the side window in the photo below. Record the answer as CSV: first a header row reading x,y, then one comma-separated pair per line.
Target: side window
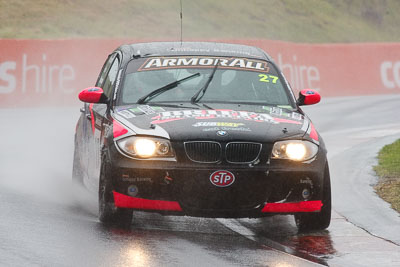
x,y
110,78
104,70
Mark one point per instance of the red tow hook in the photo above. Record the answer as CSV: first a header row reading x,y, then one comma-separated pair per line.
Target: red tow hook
x,y
167,178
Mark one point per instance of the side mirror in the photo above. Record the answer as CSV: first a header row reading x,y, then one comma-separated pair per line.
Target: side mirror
x,y
308,97
93,95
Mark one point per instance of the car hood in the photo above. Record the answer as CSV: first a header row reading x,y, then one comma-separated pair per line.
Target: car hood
x,y
239,123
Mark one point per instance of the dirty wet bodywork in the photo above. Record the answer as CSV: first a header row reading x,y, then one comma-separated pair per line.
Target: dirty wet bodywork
x,y
202,129
200,151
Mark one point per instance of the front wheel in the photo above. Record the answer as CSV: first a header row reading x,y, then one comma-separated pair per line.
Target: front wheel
x,y
108,213
322,219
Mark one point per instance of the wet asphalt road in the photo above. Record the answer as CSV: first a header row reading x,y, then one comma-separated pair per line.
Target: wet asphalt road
x,y
46,222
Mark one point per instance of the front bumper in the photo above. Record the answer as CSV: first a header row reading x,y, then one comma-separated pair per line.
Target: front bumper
x,y
124,201
273,187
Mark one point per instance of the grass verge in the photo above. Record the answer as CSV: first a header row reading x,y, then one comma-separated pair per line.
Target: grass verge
x,y
310,21
388,170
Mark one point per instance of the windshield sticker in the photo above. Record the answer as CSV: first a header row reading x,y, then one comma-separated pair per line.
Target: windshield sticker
x,y
218,50
169,116
156,63
268,78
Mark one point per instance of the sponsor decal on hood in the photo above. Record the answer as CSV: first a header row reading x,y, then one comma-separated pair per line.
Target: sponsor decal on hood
x,y
214,123
208,126
281,112
192,124
139,110
168,116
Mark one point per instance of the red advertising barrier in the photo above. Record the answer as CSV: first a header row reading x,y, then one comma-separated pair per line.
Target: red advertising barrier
x,y
53,72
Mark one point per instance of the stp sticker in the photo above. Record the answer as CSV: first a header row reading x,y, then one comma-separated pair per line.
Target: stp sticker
x,y
222,178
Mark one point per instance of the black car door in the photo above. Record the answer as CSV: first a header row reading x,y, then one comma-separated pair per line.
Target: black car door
x,y
99,119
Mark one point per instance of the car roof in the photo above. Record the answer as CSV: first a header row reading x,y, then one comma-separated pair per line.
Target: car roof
x,y
192,48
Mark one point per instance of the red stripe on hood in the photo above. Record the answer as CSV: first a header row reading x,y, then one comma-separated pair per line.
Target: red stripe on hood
x,y
313,133
287,121
167,120
118,129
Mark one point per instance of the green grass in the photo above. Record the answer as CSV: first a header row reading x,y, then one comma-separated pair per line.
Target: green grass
x,y
388,170
290,20
389,161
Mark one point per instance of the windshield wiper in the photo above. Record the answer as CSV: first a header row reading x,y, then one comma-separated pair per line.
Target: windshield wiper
x,y
165,88
160,104
204,88
205,105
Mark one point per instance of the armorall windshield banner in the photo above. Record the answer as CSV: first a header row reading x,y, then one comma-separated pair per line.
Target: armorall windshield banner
x,y
53,72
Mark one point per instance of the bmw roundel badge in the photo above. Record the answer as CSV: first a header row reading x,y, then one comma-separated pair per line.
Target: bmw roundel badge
x,y
222,133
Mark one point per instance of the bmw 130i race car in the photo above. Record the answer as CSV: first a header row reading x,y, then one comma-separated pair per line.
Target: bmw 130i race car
x,y
200,129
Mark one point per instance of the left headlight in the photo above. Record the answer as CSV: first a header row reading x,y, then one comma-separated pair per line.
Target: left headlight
x,y
298,150
146,147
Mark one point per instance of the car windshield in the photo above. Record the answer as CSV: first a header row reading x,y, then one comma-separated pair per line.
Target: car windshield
x,y
235,80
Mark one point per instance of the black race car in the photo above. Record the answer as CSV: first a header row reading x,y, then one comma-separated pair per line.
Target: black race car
x,y
200,129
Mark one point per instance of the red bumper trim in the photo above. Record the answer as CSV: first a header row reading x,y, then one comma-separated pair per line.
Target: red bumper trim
x,y
304,206
124,201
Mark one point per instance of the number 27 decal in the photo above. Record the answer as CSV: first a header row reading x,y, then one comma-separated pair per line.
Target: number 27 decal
x,y
264,78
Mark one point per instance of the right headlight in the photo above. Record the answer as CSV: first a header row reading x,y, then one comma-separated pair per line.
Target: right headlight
x,y
146,147
297,150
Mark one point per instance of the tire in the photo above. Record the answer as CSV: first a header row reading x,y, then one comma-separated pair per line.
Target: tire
x,y
322,219
77,173
108,213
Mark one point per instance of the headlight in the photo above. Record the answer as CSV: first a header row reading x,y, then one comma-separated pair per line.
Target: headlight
x,y
298,150
145,147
